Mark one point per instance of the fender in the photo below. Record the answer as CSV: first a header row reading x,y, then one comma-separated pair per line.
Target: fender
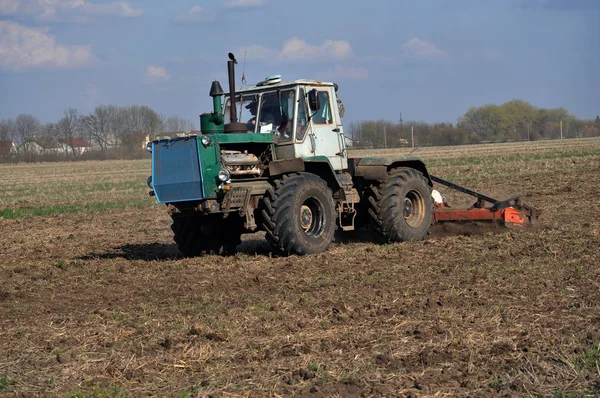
x,y
373,168
318,165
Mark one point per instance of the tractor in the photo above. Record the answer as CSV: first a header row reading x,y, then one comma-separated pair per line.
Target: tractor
x,y
274,157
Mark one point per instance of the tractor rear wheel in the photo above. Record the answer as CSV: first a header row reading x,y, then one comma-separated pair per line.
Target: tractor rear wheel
x,y
400,207
197,235
298,214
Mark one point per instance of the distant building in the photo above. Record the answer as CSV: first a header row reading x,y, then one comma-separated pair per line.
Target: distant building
x,y
171,135
40,146
7,148
137,141
104,142
76,146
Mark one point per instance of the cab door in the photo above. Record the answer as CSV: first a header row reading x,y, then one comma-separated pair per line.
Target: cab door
x,y
326,127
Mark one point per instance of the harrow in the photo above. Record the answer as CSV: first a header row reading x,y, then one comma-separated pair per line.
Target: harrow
x,y
511,212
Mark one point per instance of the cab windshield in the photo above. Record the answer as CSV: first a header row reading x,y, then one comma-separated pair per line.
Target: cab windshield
x,y
270,112
246,106
276,113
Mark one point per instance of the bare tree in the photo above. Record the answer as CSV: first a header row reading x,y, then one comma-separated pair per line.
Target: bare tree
x,y
26,127
176,124
68,128
48,130
117,124
98,127
141,118
7,130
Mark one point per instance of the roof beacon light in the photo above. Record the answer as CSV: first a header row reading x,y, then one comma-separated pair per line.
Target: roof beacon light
x,y
274,79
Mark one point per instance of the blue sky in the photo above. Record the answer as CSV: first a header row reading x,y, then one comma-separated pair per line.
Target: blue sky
x,y
429,59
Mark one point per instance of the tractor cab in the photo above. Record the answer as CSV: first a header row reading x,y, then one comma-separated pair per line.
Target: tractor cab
x,y
302,115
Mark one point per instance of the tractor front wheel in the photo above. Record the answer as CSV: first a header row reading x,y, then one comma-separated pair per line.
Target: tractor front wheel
x,y
400,207
298,214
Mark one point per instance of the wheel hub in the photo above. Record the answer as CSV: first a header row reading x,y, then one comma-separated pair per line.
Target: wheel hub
x,y
408,208
306,217
414,208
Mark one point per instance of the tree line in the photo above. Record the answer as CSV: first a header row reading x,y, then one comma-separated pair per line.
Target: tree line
x,y
114,131
512,121
109,130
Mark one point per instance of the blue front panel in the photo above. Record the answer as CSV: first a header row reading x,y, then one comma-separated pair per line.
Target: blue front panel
x,y
176,173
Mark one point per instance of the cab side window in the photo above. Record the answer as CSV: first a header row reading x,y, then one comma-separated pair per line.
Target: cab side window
x,y
302,117
323,115
287,99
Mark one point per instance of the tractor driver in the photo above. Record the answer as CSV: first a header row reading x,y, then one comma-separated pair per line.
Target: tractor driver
x,y
251,123
285,128
266,117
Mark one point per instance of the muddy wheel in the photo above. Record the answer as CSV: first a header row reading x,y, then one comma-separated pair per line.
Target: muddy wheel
x,y
298,214
196,235
400,207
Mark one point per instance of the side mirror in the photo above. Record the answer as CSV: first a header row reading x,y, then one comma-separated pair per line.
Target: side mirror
x,y
341,109
313,100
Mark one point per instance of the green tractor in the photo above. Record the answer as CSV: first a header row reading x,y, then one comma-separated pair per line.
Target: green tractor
x,y
274,157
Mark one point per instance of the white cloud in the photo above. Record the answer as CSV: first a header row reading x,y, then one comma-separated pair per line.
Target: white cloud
x,y
296,49
246,3
157,73
418,48
347,72
23,48
9,7
120,9
57,10
195,14
299,50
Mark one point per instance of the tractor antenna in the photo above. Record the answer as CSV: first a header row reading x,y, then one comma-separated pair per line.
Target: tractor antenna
x,y
244,70
413,151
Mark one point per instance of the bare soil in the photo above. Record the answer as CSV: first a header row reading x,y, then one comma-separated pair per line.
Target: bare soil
x,y
104,305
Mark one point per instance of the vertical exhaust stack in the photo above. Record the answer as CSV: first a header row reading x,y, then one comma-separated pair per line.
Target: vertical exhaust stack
x,y
212,122
216,92
234,126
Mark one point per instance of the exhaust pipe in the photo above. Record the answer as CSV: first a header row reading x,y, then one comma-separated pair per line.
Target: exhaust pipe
x,y
234,126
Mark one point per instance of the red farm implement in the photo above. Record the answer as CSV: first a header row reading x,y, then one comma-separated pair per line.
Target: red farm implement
x,y
511,212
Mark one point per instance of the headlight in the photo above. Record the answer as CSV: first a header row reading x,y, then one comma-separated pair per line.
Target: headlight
x,y
206,140
224,175
149,147
149,182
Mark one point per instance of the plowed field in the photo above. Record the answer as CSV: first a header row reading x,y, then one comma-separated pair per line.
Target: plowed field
x,y
95,300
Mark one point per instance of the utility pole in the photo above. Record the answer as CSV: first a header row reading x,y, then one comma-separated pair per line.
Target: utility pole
x,y
384,136
412,136
561,130
401,125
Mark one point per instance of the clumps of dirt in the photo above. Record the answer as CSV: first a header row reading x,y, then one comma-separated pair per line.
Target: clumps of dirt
x,y
4,296
466,228
466,312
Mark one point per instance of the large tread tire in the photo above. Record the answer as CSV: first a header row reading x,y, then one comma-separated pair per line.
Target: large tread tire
x,y
400,207
298,214
198,235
